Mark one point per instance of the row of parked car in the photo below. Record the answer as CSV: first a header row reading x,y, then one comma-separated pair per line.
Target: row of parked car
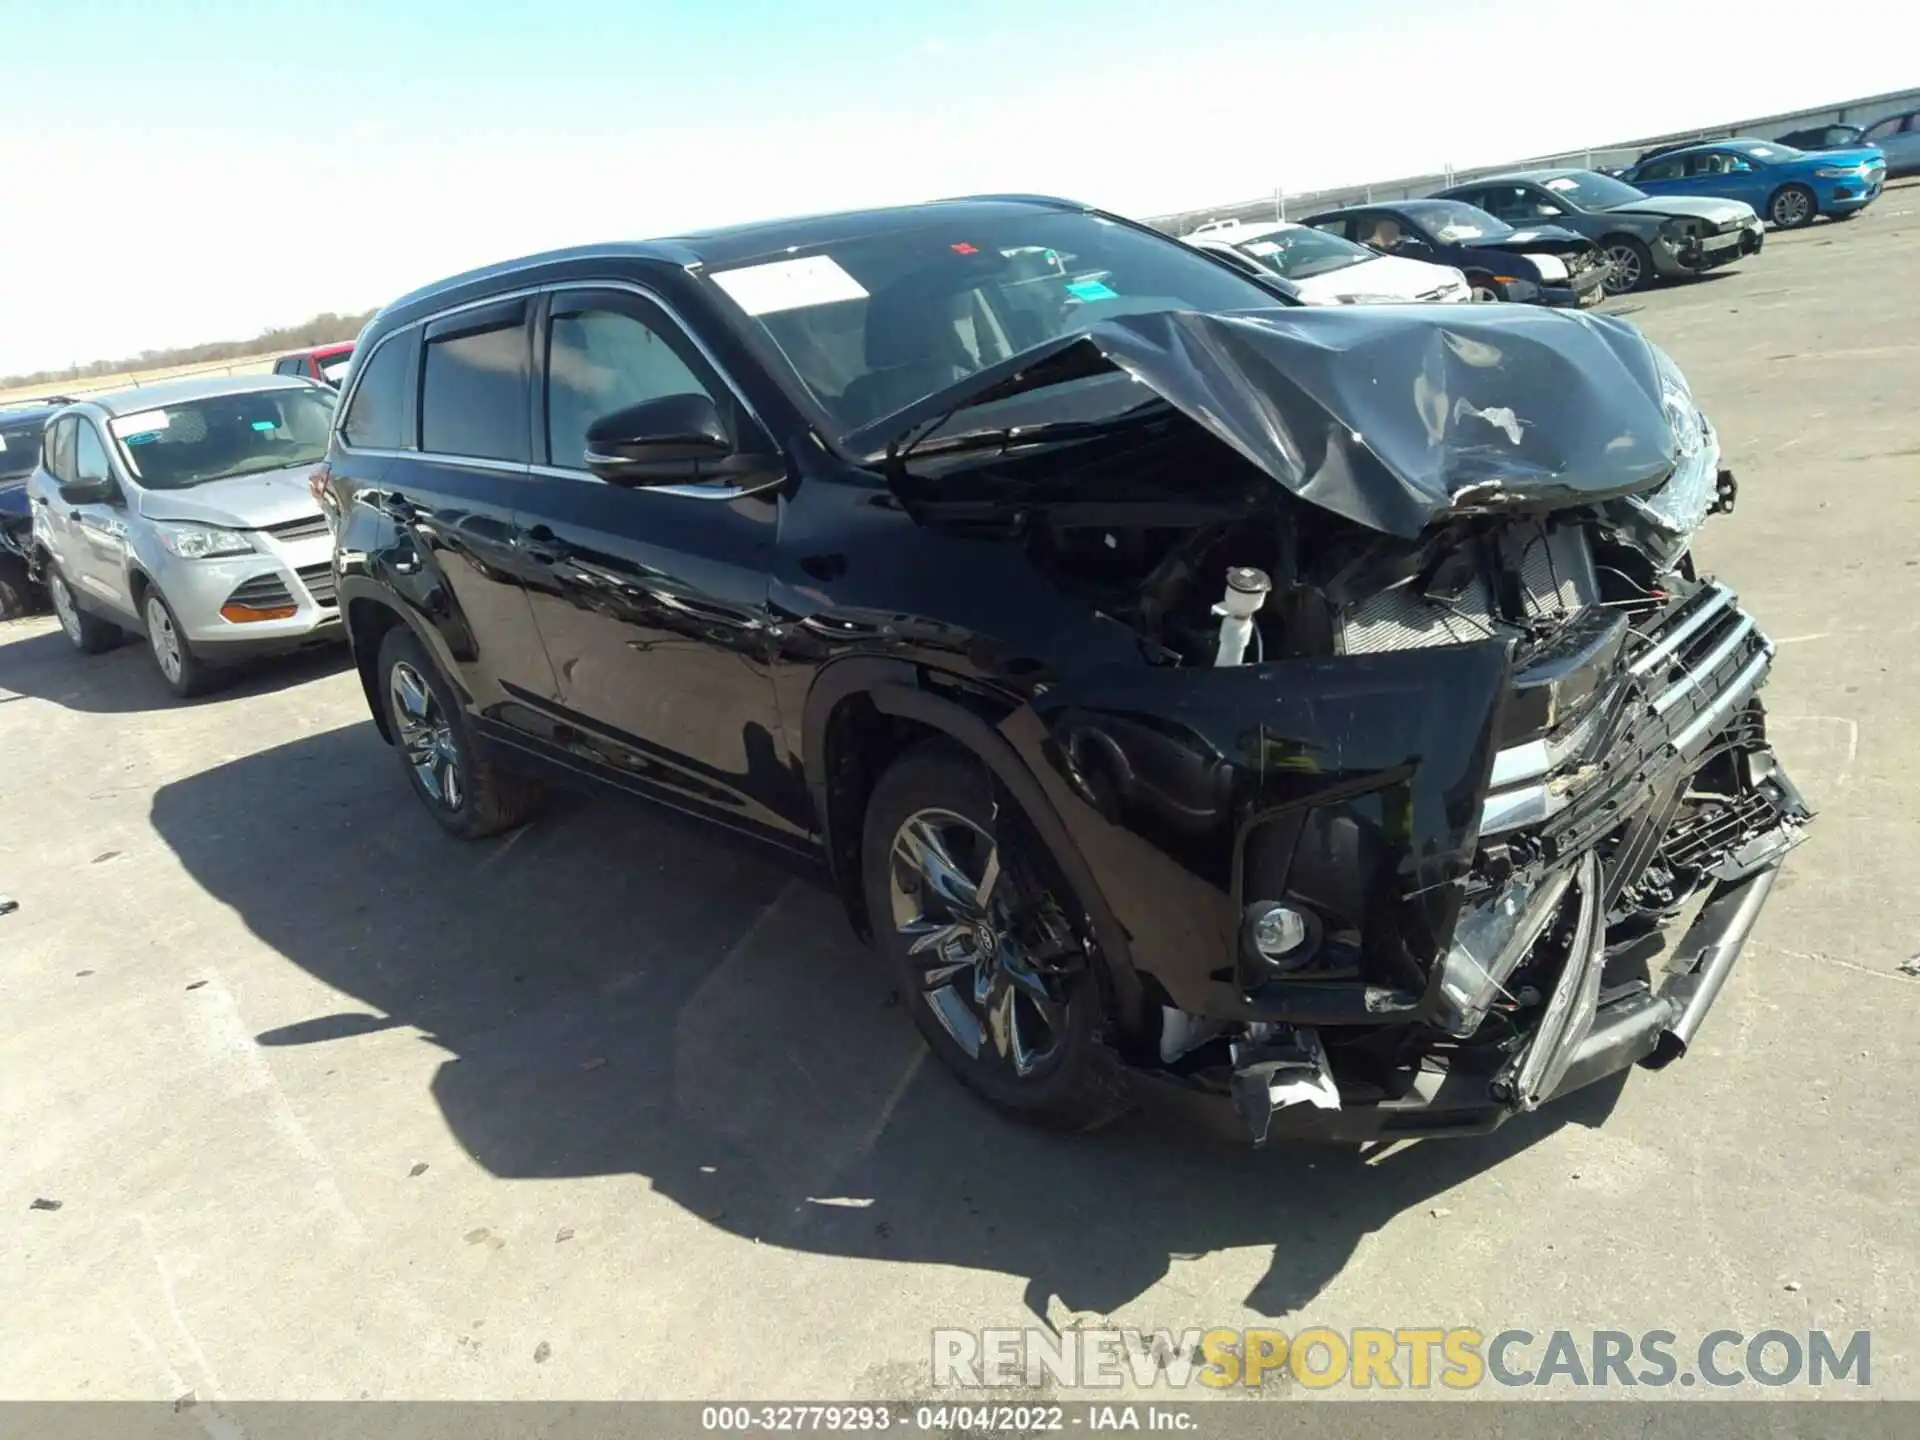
x,y
1567,236
1313,714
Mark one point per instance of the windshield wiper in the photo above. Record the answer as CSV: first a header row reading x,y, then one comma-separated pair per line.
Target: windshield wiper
x,y
1007,437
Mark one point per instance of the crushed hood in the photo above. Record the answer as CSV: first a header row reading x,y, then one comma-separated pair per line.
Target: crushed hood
x,y
1392,416
1698,207
249,502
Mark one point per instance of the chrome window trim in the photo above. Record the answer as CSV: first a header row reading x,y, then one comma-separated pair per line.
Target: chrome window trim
x,y
685,492
469,462
633,287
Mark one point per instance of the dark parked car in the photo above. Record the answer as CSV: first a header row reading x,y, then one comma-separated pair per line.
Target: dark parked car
x,y
1309,712
1536,264
21,430
1823,137
1643,238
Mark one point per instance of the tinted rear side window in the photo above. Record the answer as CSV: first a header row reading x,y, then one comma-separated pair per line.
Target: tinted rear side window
x,y
473,400
376,418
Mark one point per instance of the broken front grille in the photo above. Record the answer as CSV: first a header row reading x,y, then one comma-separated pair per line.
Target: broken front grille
x,y
1703,661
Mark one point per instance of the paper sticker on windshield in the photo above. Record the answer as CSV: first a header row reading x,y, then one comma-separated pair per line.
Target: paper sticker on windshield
x,y
3,444
1758,150
1563,182
147,422
1091,290
789,284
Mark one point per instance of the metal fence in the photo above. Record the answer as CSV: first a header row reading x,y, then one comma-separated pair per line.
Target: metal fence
x,y
1280,205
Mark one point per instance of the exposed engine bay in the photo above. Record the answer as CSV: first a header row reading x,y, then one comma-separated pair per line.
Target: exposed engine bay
x,y
1494,799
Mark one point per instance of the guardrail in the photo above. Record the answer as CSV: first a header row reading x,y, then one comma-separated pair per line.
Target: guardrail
x,y
1279,205
133,380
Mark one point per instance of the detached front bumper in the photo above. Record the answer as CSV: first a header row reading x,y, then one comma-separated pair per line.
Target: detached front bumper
x,y
1696,254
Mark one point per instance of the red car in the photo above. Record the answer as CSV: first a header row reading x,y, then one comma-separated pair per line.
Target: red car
x,y
325,363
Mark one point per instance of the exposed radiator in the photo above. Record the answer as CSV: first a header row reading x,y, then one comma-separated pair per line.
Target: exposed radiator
x,y
1554,567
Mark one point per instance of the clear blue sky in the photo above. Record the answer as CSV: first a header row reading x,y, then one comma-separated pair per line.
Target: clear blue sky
x,y
213,167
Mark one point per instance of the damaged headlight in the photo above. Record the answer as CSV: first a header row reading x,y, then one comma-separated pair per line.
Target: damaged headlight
x,y
1679,506
1489,941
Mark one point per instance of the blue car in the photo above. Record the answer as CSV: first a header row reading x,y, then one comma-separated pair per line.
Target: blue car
x,y
1788,186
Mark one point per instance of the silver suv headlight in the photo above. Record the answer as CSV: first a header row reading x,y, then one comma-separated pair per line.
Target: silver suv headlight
x,y
1679,506
201,542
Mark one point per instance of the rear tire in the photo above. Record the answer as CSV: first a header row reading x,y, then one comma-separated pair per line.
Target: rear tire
x,y
87,633
1630,265
1792,207
1004,990
468,793
185,673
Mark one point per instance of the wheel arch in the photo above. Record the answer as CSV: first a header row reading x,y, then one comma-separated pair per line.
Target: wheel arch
x,y
863,712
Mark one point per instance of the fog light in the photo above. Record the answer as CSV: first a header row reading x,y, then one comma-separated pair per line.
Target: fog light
x,y
1277,934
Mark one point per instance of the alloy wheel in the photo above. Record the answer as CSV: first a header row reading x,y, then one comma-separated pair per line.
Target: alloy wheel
x,y
164,639
64,607
1485,293
1791,208
989,988
1623,274
426,737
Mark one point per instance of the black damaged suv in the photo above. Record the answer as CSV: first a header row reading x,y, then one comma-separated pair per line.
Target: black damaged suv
x,y
1313,713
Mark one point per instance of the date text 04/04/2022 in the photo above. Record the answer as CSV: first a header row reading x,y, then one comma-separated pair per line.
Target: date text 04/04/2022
x,y
945,1419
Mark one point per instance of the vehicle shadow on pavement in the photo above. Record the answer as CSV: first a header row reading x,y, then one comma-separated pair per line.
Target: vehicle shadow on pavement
x,y
624,991
37,660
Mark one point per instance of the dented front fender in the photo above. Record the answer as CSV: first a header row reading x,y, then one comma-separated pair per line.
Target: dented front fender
x,y
1351,787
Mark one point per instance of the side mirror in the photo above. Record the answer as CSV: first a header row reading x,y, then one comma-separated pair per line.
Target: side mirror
x,y
665,441
88,492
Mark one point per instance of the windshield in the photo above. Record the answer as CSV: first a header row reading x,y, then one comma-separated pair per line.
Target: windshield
x,y
1303,253
1773,152
1453,223
1587,190
175,447
19,449
871,324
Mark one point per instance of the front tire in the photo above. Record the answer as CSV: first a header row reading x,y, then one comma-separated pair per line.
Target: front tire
x,y
988,944
1630,265
1793,206
1484,289
186,674
470,795
87,633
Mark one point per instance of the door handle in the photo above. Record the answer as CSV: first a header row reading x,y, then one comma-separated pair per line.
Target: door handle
x,y
396,506
544,547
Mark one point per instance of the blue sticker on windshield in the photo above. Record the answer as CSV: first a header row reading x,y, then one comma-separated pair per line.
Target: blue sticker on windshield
x,y
266,424
1091,290
145,437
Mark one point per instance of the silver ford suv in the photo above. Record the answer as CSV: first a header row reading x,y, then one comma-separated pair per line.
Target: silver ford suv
x,y
181,511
